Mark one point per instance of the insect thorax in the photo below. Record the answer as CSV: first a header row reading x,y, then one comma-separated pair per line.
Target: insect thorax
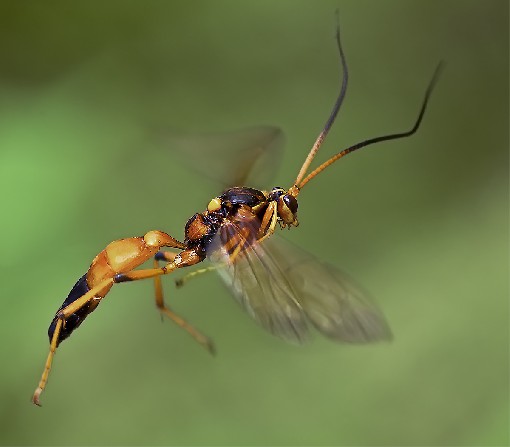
x,y
202,227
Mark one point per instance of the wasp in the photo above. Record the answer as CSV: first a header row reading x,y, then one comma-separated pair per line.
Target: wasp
x,y
285,289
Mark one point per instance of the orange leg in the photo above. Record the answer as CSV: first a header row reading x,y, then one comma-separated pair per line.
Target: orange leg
x,y
205,341
268,222
183,259
185,278
47,366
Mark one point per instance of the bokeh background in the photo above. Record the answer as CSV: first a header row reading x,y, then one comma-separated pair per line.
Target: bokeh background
x,y
422,223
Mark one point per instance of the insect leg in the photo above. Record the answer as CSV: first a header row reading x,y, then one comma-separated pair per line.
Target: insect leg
x,y
268,222
47,366
158,286
205,341
169,257
62,316
181,281
183,259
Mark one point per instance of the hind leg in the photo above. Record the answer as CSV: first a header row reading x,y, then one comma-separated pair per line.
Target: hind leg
x,y
205,341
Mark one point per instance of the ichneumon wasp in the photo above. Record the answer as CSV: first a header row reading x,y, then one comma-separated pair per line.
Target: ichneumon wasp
x,y
283,288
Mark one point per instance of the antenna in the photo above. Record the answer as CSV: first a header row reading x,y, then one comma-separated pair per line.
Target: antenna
x,y
334,112
394,136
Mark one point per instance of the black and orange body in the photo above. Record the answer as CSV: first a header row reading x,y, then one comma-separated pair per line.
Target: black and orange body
x,y
75,319
118,257
232,233
243,207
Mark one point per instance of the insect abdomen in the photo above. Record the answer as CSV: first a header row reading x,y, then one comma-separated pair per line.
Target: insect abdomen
x,y
79,289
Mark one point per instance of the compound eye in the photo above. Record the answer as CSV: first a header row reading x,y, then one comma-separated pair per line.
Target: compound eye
x,y
291,203
287,209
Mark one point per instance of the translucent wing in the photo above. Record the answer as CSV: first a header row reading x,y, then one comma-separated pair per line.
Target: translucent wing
x,y
330,299
259,283
284,288
249,156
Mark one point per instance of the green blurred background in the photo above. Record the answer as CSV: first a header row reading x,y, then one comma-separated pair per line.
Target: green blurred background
x,y
421,222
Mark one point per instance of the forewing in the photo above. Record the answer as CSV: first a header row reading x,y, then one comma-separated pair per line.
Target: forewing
x,y
331,300
283,287
259,285
247,157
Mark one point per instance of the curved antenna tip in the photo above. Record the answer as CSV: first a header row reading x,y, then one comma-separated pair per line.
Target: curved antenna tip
x,y
437,72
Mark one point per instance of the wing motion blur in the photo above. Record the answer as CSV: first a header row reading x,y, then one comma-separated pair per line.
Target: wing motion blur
x,y
285,289
250,156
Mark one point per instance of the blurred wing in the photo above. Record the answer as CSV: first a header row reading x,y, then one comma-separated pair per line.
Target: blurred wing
x,y
282,287
249,156
259,284
335,305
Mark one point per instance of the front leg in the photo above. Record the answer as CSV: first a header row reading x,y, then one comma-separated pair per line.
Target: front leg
x,y
269,220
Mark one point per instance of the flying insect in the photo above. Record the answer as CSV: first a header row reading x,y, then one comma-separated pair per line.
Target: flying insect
x,y
286,290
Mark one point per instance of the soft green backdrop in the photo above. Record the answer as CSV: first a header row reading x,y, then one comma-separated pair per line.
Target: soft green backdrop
x,y
422,222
